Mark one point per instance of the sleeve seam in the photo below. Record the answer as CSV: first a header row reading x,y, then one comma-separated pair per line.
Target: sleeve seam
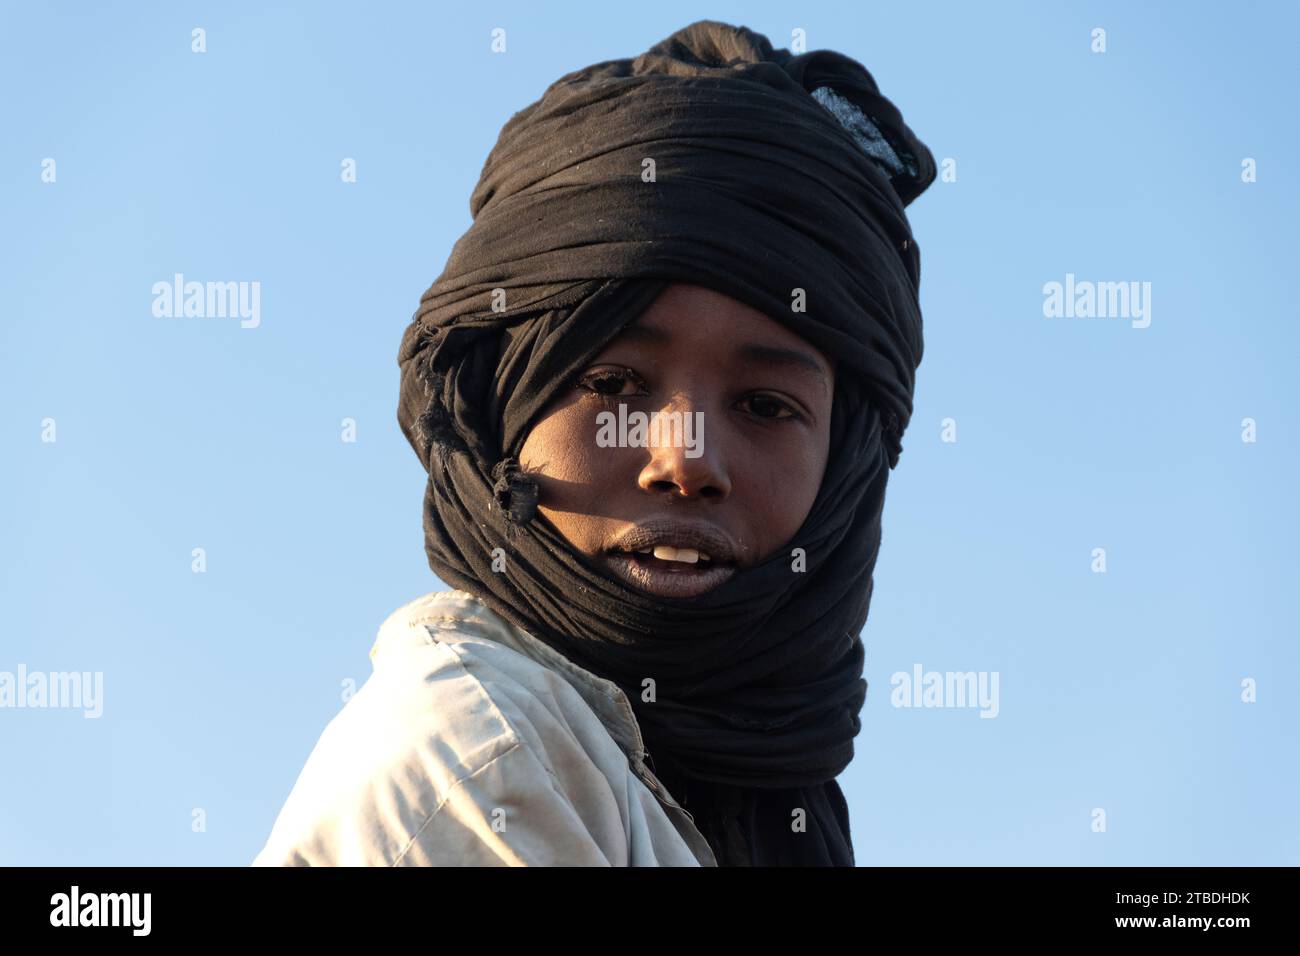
x,y
446,796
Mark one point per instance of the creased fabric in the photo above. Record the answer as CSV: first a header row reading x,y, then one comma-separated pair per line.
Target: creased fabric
x,y
709,160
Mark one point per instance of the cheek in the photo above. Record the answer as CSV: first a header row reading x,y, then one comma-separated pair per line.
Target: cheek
x,y
561,449
779,485
577,480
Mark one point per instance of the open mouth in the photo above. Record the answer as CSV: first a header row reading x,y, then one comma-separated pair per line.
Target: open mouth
x,y
668,558
671,572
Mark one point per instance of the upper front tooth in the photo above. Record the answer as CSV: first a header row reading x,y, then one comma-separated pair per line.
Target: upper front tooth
x,y
669,553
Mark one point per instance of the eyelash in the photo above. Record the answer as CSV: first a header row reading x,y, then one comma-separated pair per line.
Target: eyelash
x,y
626,374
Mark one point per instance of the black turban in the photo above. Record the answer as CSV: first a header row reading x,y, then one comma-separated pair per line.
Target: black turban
x,y
781,181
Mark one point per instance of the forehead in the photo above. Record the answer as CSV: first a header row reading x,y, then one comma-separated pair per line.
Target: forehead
x,y
689,317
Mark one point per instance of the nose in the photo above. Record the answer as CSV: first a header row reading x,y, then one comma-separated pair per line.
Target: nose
x,y
682,463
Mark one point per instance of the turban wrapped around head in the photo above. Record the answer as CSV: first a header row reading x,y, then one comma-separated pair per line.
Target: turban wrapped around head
x,y
777,179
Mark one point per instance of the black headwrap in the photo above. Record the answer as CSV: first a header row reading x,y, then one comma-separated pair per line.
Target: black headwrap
x,y
779,180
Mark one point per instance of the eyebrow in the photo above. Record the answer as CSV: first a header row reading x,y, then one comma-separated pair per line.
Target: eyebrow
x,y
766,354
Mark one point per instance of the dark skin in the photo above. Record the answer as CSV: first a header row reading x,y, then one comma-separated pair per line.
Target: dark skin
x,y
766,396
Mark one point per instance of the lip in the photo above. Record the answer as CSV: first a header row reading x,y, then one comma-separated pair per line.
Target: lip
x,y
663,583
686,581
679,534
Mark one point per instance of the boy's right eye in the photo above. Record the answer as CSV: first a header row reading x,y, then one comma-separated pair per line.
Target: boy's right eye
x,y
608,381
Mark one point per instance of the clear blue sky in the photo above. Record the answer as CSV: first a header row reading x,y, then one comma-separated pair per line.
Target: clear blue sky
x,y
1117,690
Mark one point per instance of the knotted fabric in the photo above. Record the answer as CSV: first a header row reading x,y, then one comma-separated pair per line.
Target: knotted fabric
x,y
780,180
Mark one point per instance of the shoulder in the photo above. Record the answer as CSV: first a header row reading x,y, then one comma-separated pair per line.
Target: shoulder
x,y
452,733
446,651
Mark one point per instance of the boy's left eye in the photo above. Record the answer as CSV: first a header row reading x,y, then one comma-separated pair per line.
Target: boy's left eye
x,y
769,402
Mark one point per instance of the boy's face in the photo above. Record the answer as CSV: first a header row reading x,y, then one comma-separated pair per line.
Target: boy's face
x,y
731,467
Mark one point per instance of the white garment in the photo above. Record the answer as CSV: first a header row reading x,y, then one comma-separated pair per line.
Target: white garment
x,y
474,743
